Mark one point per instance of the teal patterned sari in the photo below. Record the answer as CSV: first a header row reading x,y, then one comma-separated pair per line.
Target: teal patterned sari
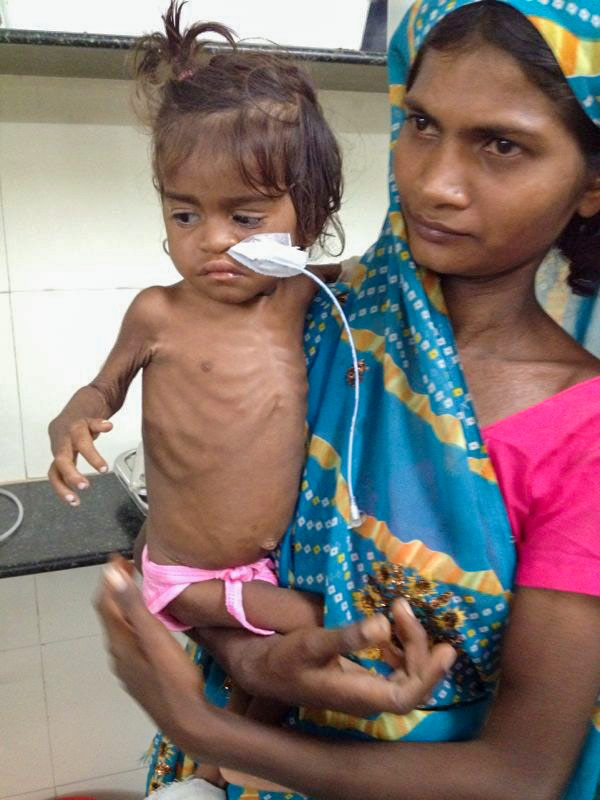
x,y
435,528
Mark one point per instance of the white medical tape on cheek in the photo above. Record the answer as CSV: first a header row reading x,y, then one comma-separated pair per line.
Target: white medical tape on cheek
x,y
273,254
270,254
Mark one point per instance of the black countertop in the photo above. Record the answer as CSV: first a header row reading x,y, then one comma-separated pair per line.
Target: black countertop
x,y
54,536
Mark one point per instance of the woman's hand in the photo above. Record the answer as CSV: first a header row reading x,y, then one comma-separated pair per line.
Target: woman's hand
x,y
307,668
150,663
301,668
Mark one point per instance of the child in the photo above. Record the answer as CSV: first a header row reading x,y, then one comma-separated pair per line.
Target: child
x,y
240,147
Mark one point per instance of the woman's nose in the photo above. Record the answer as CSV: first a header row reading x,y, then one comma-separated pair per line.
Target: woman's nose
x,y
444,178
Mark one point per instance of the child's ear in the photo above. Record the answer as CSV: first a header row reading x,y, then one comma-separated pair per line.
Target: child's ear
x,y
589,205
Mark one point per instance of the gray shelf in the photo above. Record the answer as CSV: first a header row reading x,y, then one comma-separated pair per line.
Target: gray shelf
x,y
84,55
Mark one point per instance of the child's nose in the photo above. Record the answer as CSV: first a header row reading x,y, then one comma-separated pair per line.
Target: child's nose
x,y
217,236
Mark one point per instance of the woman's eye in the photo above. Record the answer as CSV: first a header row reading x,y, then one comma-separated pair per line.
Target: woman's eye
x,y
185,217
503,147
419,121
247,221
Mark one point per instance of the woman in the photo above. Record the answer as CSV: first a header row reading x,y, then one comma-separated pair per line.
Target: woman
x,y
494,164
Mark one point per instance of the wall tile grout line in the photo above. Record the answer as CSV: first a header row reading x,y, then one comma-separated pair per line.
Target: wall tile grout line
x,y
12,327
47,715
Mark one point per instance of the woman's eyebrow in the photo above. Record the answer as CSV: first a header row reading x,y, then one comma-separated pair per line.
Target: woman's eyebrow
x,y
415,105
502,131
492,129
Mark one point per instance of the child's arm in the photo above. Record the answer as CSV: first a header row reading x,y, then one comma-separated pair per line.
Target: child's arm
x,y
86,414
333,273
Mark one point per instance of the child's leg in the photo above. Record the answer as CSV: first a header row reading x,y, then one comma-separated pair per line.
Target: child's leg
x,y
269,607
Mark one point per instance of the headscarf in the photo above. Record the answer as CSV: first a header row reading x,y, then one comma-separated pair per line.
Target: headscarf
x,y
436,529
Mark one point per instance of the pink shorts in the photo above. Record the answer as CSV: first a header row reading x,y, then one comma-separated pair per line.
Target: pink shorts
x,y
164,582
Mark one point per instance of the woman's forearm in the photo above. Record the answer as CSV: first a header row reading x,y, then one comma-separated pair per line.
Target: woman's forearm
x,y
354,770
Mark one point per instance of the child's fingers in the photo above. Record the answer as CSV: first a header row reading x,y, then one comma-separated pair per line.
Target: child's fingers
x,y
69,474
82,439
93,457
98,426
60,486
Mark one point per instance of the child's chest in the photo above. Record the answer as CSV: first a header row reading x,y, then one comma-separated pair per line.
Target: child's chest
x,y
217,371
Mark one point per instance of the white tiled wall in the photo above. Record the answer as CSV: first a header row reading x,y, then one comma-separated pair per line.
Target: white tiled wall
x,y
312,23
80,233
66,727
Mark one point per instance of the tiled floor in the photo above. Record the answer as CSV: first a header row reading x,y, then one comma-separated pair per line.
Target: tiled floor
x,y
66,726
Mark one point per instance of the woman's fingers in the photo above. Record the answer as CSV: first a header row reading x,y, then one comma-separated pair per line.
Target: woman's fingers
x,y
149,662
362,693
424,666
153,638
321,645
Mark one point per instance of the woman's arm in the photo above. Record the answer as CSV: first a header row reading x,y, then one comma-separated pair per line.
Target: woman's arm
x,y
551,673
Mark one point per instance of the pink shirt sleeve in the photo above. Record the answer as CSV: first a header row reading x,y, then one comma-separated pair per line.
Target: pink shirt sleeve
x,y
547,460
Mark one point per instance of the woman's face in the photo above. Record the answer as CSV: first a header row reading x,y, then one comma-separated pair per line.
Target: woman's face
x,y
487,172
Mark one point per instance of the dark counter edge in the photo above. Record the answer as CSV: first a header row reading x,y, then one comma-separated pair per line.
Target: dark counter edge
x,y
108,42
71,562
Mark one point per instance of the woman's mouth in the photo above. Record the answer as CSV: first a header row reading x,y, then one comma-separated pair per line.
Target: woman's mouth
x,y
434,231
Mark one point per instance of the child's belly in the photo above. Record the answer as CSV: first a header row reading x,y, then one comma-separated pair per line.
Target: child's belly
x,y
224,453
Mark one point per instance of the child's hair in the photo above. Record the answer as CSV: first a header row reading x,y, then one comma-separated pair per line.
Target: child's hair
x,y
259,109
502,26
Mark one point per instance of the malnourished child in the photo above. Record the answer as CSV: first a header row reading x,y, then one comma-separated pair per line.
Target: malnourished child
x,y
240,147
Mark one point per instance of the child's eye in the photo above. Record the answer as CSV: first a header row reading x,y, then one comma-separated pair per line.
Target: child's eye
x,y
247,221
185,217
503,147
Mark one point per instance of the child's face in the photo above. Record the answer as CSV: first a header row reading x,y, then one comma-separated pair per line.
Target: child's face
x,y
207,209
487,172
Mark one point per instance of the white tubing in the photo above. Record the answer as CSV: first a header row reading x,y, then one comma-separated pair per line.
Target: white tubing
x,y
273,254
20,512
356,518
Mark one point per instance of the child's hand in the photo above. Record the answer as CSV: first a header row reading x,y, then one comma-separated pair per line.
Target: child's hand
x,y
73,440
